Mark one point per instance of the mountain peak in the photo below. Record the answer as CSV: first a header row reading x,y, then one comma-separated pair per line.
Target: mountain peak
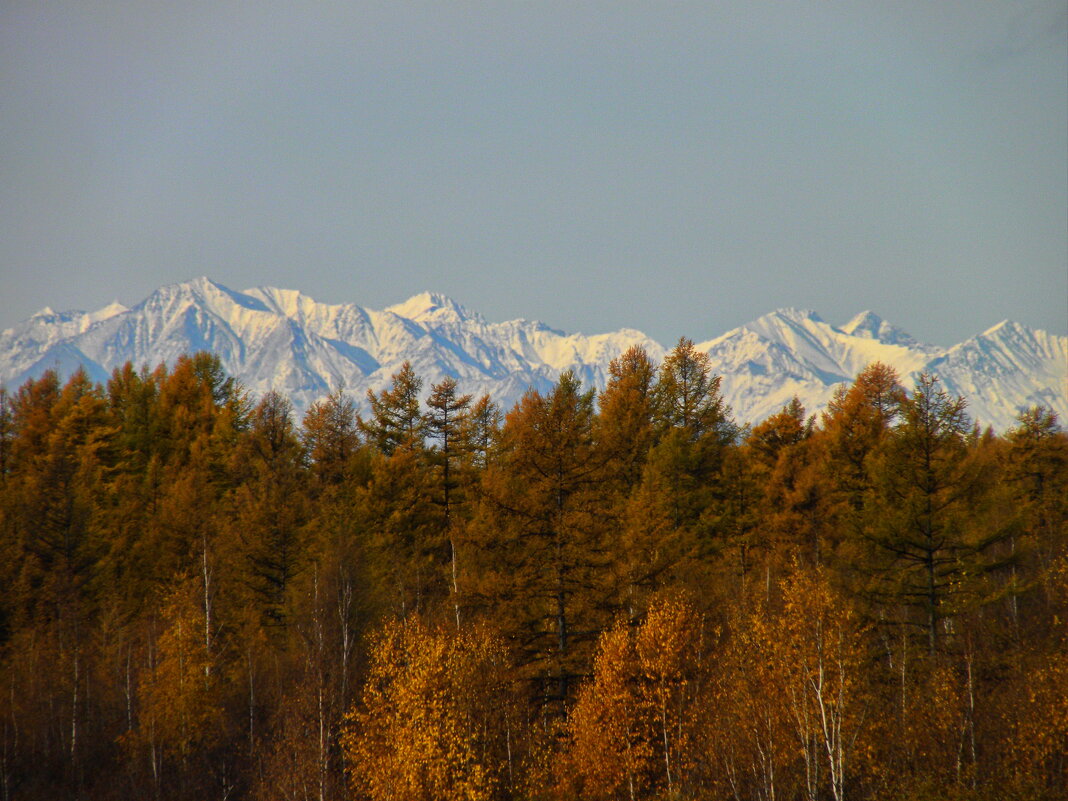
x,y
866,323
108,311
794,314
201,291
1003,325
775,324
869,325
198,285
430,306
281,339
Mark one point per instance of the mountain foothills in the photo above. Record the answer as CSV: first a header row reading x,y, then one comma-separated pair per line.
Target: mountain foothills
x,y
612,596
274,339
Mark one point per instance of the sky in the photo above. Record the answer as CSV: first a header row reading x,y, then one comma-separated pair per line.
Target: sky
x,y
676,167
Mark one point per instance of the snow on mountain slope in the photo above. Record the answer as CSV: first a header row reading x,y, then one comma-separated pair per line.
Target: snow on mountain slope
x,y
1009,366
790,352
869,325
284,340
28,341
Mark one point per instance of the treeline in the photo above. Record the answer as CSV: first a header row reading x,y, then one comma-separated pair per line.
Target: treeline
x,y
622,596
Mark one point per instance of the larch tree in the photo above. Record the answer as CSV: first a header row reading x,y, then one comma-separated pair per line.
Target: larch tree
x,y
683,479
692,427
396,419
336,593
771,438
624,424
50,522
542,543
687,397
797,495
269,508
179,700
855,424
446,425
926,558
856,421
640,546
331,439
404,545
482,432
1035,464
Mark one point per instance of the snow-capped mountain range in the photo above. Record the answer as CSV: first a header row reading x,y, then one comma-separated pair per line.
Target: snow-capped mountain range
x,y
283,340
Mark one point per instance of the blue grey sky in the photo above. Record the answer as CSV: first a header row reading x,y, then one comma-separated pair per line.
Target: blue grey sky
x,y
675,167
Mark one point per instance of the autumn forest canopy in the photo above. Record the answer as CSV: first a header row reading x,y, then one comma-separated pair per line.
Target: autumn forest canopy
x,y
623,595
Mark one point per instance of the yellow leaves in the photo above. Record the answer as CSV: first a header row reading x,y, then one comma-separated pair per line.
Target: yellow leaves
x,y
934,719
178,692
1041,735
609,720
752,739
666,641
432,718
633,725
790,688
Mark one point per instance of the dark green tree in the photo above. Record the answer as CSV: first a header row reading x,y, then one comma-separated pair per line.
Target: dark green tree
x,y
270,507
446,426
927,555
624,425
542,537
331,438
396,420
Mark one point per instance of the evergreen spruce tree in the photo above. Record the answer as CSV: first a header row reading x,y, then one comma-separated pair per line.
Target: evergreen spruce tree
x,y
927,557
331,438
396,420
269,508
624,424
446,425
542,544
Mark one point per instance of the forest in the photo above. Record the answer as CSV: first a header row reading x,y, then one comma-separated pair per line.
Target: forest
x,y
615,595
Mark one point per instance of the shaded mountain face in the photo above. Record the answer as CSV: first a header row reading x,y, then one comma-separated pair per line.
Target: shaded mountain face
x,y
280,339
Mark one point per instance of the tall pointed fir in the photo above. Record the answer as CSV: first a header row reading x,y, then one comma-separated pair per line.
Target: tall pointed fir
x,y
270,509
446,425
396,420
926,560
638,554
405,544
683,477
541,538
